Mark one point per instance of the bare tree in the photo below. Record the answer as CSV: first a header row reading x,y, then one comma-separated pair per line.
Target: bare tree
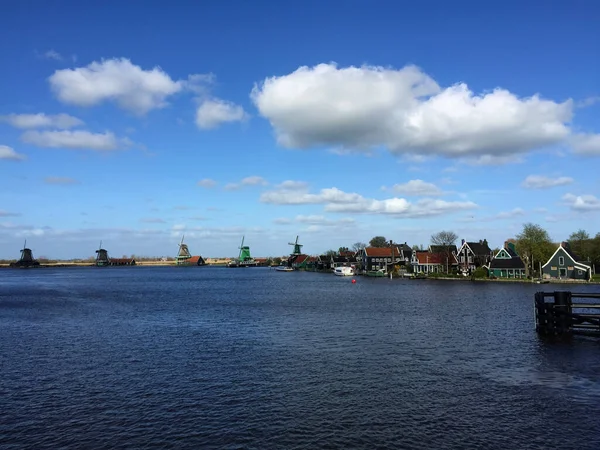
x,y
446,240
357,246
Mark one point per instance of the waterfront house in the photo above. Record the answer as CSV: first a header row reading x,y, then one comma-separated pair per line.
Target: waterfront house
x,y
379,258
300,262
564,264
324,263
447,255
347,260
507,263
424,261
472,255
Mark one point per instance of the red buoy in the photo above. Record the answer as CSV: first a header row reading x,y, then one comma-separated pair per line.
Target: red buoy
x,y
353,281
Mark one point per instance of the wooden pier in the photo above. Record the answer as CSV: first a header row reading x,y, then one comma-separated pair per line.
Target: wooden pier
x,y
556,314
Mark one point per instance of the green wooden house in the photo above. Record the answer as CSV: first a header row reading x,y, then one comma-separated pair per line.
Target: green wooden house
x,y
565,265
507,263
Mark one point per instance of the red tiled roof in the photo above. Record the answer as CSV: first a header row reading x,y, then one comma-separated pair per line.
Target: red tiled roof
x,y
382,252
300,259
431,258
194,259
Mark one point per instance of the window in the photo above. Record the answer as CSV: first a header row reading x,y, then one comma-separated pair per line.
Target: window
x,y
561,260
462,259
580,272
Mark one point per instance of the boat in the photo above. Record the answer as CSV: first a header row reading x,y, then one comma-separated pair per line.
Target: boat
x,y
244,259
343,271
284,269
376,273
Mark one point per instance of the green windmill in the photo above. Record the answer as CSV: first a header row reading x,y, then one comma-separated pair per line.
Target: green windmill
x,y
297,252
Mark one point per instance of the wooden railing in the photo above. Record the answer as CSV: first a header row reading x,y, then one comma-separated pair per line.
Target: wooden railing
x,y
557,314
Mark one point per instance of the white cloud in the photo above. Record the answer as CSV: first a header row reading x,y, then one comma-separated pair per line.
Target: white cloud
x,y
542,182
586,144
41,120
406,111
339,201
323,221
510,214
588,102
60,180
292,185
248,181
152,220
417,187
214,112
9,153
207,183
52,54
282,221
83,140
582,203
131,87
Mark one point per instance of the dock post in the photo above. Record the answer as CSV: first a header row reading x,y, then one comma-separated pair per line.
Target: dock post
x,y
563,312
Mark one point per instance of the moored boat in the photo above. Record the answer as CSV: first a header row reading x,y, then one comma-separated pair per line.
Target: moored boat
x,y
343,271
284,269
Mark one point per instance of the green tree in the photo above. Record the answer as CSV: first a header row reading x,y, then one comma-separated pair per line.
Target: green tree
x,y
343,249
580,244
445,239
331,253
534,246
378,241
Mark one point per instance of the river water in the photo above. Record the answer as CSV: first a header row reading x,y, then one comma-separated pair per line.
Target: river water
x,y
140,357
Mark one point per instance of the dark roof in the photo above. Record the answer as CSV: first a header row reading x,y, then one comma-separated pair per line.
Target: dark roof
x,y
480,248
513,263
442,248
567,248
343,259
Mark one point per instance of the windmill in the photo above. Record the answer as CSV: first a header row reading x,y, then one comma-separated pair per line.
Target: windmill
x,y
101,257
244,258
297,252
26,259
183,255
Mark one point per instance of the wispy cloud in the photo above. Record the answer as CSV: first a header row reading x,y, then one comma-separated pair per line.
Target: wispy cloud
x,y
41,120
75,140
152,220
543,182
248,181
207,183
61,180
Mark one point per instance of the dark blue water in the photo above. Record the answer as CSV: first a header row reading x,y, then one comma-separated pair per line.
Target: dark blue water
x,y
252,358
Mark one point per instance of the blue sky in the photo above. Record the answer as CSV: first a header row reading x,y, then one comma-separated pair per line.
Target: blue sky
x,y
135,123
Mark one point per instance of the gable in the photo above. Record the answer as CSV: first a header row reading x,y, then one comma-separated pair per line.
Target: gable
x,y
503,254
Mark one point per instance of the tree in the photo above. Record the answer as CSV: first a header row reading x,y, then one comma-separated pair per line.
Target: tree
x,y
358,246
445,239
534,245
343,249
331,253
580,244
378,241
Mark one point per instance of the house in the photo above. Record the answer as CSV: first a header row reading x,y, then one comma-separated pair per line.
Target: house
x,y
324,263
376,258
300,262
447,254
424,261
472,255
507,263
564,264
348,260
196,261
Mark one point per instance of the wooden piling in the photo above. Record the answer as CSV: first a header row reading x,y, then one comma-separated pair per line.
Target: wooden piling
x,y
557,316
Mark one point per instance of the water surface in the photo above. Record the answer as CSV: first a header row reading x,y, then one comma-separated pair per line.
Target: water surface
x,y
135,357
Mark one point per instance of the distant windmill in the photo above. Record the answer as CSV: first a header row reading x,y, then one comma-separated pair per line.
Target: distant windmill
x,y
183,255
26,259
102,257
297,252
